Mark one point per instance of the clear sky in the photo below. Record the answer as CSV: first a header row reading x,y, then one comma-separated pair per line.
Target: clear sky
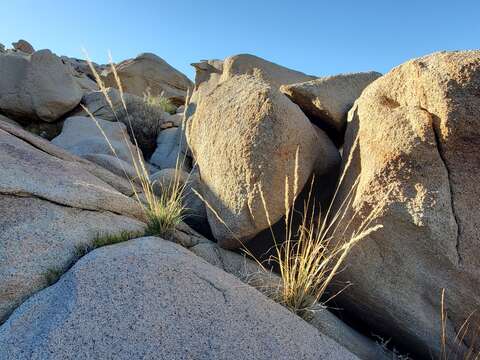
x,y
316,37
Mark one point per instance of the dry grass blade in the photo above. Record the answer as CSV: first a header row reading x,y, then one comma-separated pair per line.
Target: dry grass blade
x,y
457,350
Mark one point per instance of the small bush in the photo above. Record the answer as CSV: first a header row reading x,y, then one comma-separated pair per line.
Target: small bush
x,y
143,122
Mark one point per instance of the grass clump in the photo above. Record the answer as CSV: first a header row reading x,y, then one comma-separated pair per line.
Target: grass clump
x,y
162,213
159,101
312,255
53,274
101,239
167,209
104,239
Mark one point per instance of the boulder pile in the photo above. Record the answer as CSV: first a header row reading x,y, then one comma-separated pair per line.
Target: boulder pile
x,y
245,140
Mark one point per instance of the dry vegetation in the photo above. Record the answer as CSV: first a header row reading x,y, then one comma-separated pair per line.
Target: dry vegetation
x,y
164,212
469,330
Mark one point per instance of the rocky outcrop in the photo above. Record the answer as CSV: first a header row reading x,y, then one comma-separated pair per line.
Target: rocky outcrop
x,y
37,86
136,291
51,203
327,100
417,157
148,72
244,136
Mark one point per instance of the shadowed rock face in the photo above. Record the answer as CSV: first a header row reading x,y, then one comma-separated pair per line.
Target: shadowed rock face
x,y
149,298
418,137
244,136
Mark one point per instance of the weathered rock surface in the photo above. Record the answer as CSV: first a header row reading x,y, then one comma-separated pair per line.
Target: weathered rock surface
x,y
115,165
244,136
150,72
171,149
143,121
98,106
37,86
250,272
118,183
153,296
82,136
23,46
49,205
418,141
327,100
275,75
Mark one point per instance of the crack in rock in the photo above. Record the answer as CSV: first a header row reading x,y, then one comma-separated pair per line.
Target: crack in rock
x,y
435,120
222,291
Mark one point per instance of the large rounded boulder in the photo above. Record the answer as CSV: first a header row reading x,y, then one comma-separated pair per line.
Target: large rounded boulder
x,y
150,73
37,86
152,299
249,139
413,140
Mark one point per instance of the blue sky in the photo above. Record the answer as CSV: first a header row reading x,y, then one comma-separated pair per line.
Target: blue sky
x,y
316,37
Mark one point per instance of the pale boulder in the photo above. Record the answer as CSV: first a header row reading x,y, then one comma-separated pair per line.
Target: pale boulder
x,y
244,136
149,72
98,106
83,136
275,75
417,157
171,150
113,164
160,301
37,86
327,100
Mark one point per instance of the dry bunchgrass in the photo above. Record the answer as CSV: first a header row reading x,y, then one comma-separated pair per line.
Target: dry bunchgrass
x,y
311,256
163,213
469,329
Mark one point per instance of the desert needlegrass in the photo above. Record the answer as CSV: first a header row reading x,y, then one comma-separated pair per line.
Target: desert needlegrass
x,y
164,212
159,101
469,329
313,254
